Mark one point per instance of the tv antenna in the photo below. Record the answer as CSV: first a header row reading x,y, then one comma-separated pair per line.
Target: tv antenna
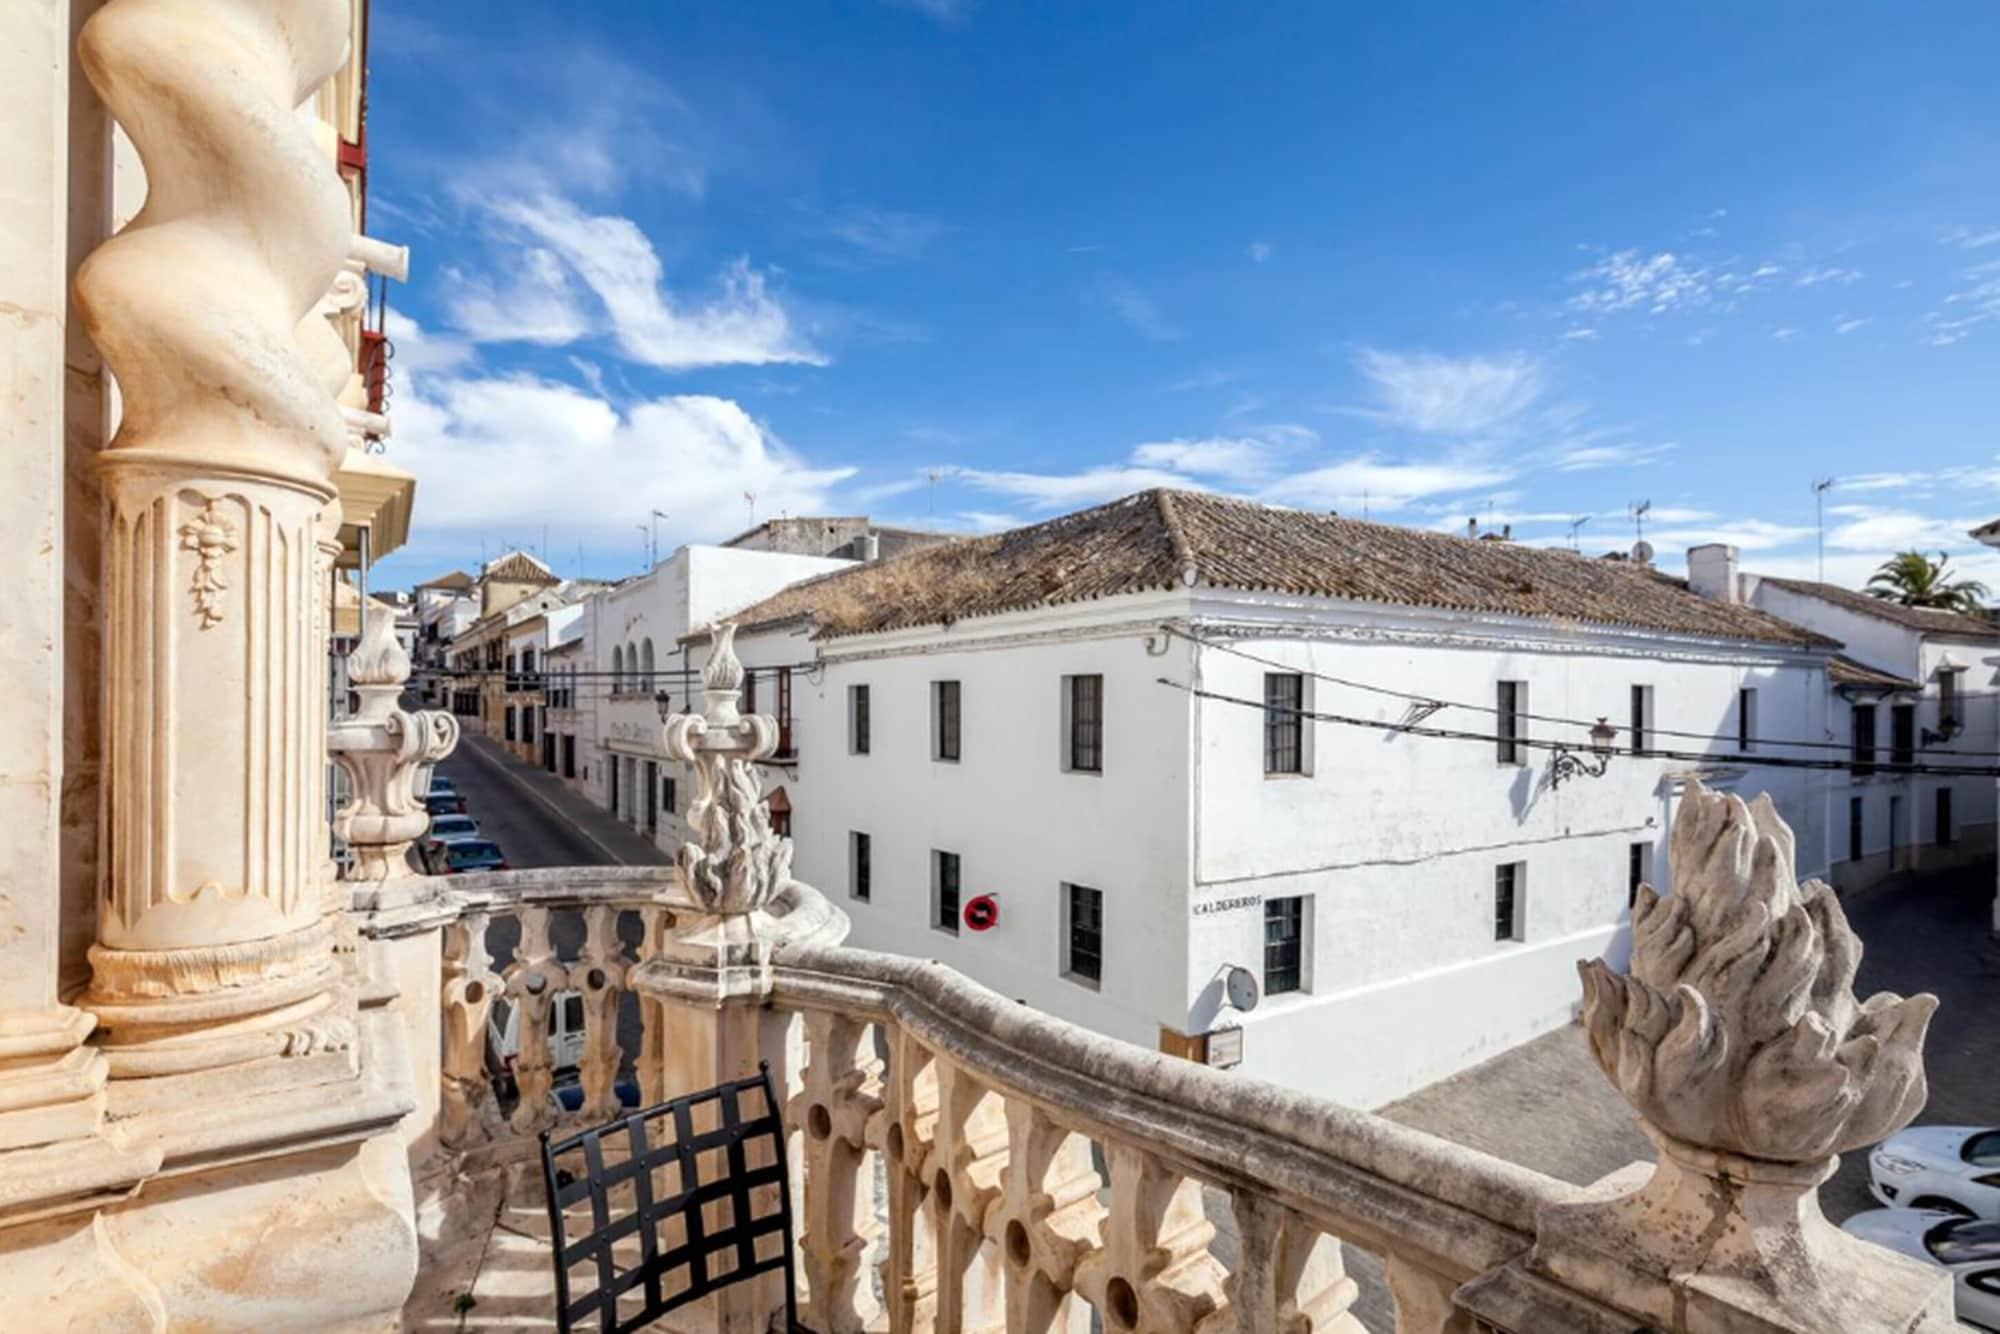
x,y
1639,509
750,500
1576,526
657,515
1820,488
933,476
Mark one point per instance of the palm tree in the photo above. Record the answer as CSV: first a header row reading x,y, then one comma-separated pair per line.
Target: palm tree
x,y
1915,580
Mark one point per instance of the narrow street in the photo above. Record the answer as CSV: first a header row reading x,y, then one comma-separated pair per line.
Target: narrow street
x,y
534,818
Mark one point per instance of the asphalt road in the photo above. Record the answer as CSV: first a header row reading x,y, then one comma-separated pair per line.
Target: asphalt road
x,y
530,832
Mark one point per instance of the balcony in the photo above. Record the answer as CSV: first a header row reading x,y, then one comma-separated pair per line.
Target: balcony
x,y
962,1162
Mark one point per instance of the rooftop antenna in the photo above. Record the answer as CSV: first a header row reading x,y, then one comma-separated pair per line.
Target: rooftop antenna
x,y
750,499
643,535
1820,488
655,521
1639,510
1364,502
933,475
1576,526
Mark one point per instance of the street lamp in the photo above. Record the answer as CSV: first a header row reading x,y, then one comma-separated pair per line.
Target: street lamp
x,y
1569,764
661,698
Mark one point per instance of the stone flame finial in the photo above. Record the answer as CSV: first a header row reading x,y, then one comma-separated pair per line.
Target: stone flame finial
x,y
737,865
1737,1036
379,659
1737,1027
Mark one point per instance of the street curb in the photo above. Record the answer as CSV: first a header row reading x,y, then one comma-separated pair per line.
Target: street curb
x,y
506,770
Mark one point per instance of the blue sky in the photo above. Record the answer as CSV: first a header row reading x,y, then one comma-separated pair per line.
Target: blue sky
x,y
967,265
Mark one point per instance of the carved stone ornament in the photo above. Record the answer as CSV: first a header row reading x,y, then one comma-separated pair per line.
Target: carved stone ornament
x,y
736,865
382,748
212,538
1737,1036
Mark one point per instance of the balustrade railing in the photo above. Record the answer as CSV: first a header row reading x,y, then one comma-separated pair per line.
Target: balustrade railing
x,y
964,1162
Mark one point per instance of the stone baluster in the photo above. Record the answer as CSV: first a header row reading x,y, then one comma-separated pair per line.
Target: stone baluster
x,y
651,1063
1046,1220
1154,1272
532,981
466,1112
1737,1035
1289,1276
1424,1300
909,1270
968,1160
600,975
211,947
841,1094
381,748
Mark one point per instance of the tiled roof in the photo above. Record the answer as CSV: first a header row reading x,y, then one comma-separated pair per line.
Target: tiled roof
x,y
1175,539
518,567
1925,620
1842,670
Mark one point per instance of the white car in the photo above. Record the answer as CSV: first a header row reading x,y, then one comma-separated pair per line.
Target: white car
x,y
1968,1247
453,826
1952,1168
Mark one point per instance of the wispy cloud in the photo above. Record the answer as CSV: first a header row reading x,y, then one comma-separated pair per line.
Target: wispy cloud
x,y
950,12
1137,309
1975,303
1580,334
1376,483
887,234
1972,238
1453,396
1583,458
531,298
1238,459
1634,280
1784,333
1817,277
740,323
1259,251
1092,486
1850,324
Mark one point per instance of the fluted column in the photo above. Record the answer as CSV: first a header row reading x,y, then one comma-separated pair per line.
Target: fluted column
x,y
211,944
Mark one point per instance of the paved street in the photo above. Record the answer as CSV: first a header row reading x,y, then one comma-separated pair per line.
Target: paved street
x,y
534,818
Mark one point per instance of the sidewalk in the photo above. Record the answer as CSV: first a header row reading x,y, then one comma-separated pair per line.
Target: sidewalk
x,y
620,844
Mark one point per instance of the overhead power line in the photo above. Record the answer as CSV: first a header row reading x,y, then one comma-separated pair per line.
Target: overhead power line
x,y
1411,697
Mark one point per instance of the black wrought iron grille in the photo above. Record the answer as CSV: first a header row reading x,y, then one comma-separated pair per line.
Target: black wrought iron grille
x,y
699,1201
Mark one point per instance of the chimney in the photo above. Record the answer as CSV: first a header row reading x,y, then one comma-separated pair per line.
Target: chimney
x,y
871,547
1712,572
1472,527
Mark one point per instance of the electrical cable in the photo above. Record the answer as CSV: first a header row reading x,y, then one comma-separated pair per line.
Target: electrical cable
x,y
1532,743
1760,740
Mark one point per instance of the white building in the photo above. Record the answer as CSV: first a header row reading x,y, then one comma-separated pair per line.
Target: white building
x,y
1912,691
1098,721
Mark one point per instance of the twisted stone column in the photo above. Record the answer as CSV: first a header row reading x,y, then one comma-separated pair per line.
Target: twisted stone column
x,y
211,944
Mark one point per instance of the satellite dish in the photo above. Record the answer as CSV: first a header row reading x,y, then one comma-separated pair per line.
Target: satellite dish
x,y
1239,985
1642,552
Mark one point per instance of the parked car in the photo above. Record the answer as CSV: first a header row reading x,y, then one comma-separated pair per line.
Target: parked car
x,y
471,854
444,803
565,1030
453,826
442,786
1951,1168
1968,1247
569,1097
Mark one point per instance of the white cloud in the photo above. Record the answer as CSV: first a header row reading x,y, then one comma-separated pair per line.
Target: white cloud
x,y
1848,326
1463,396
532,300
419,350
1093,486
951,12
1882,481
1785,334
510,454
1369,481
1630,280
1972,238
741,324
1138,310
1582,458
1748,534
1892,530
886,233
1581,334
1815,277
1259,251
1218,456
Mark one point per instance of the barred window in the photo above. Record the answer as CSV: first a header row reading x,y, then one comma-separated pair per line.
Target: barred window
x,y
1084,952
860,866
857,720
1511,721
1086,723
1638,861
1284,930
1863,725
945,725
944,891
1507,879
1284,730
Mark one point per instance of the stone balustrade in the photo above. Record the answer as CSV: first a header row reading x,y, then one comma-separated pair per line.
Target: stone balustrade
x,y
963,1162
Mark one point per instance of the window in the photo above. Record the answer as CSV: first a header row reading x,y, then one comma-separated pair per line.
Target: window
x,y
669,800
860,866
1638,862
857,720
749,691
1746,720
1510,716
1944,835
1947,700
510,722
1902,734
1284,727
784,713
1507,887
944,891
1083,937
1854,829
1084,704
569,755
944,720
1284,934
781,823
1642,719
513,676
617,670
646,665
1863,725
528,723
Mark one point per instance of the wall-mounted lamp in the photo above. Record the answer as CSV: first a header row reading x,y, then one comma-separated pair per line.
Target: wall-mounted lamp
x,y
1569,764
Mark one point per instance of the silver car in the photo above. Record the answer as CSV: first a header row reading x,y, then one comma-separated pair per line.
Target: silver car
x,y
1952,1168
1968,1247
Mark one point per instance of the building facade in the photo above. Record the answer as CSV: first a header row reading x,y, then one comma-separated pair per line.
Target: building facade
x,y
1208,765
